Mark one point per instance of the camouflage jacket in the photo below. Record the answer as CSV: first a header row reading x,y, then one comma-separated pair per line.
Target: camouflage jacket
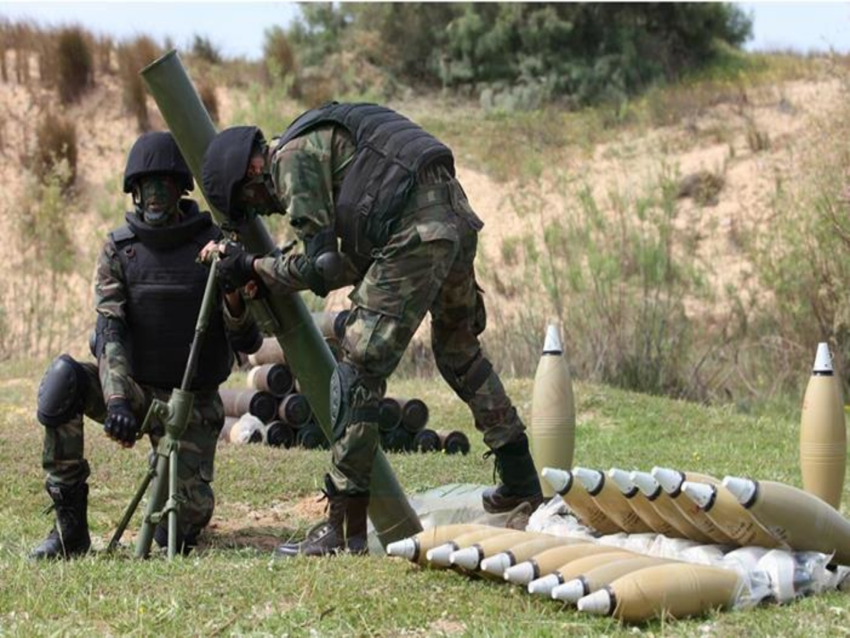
x,y
307,173
110,296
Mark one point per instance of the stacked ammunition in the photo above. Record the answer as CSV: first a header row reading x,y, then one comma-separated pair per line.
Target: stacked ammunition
x,y
272,411
402,423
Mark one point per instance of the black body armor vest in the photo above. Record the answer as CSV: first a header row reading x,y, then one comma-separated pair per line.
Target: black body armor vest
x,y
165,287
390,151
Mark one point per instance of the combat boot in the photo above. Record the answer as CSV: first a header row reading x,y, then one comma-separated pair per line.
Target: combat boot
x,y
70,535
184,544
520,483
344,530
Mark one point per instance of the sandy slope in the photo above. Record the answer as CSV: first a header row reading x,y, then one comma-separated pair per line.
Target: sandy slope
x,y
715,141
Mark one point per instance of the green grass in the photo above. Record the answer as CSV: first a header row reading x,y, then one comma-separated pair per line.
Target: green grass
x,y
233,586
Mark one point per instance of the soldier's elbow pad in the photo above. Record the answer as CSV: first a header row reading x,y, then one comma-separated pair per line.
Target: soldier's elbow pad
x,y
106,330
62,392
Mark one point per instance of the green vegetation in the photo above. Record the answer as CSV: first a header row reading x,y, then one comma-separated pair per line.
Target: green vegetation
x,y
524,54
266,495
75,70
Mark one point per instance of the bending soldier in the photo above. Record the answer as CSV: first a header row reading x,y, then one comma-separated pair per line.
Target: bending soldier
x,y
148,291
375,201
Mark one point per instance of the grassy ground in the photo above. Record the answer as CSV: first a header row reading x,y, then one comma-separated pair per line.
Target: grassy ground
x,y
264,495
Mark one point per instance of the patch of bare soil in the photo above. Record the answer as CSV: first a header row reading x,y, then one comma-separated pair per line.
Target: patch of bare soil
x,y
242,526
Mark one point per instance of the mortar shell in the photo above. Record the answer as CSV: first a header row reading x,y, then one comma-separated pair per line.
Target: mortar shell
x,y
331,324
470,558
414,414
666,508
602,575
496,565
611,500
581,504
676,590
671,481
274,378
440,556
278,434
570,570
640,505
800,520
224,435
311,437
426,441
389,414
553,414
294,409
454,442
397,440
549,560
415,547
729,515
269,352
823,433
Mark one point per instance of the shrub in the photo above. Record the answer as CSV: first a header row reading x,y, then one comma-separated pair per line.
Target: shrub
x,y
55,156
74,64
132,57
278,58
204,49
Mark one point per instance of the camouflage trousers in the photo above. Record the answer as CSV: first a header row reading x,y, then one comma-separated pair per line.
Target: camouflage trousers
x,y
426,266
64,461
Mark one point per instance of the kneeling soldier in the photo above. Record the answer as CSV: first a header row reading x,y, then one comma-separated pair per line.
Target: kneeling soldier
x,y
148,291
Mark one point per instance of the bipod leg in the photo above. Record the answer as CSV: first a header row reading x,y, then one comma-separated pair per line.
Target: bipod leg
x,y
173,502
131,509
156,498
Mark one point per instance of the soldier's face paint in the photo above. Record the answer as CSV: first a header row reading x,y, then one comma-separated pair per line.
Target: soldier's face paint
x,y
159,196
256,197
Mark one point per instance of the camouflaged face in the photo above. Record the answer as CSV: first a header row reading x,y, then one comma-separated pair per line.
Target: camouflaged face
x,y
159,196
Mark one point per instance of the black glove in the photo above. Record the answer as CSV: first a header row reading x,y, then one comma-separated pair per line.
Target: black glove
x,y
235,267
120,423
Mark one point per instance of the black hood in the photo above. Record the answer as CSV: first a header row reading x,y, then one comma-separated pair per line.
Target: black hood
x,y
225,164
171,235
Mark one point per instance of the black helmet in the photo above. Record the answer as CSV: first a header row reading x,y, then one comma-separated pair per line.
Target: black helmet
x,y
226,162
156,152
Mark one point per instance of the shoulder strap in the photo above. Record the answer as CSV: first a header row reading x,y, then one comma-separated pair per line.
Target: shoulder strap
x,y
122,234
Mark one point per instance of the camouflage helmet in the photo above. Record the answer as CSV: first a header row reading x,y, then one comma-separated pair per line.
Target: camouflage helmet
x,y
156,152
225,164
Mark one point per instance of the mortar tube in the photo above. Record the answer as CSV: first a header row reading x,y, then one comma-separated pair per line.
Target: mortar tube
x,y
285,316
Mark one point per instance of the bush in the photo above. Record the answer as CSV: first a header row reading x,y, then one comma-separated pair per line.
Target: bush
x,y
278,58
803,263
133,57
204,49
56,154
75,64
584,52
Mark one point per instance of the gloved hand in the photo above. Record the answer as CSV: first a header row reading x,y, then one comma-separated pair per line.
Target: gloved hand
x,y
235,267
120,424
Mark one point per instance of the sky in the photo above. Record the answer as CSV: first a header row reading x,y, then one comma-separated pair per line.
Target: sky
x,y
237,28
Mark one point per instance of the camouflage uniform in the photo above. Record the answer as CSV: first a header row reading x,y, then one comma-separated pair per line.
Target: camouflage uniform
x,y
426,266
63,456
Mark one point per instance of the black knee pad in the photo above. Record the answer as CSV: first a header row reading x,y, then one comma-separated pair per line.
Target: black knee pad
x,y
62,392
466,380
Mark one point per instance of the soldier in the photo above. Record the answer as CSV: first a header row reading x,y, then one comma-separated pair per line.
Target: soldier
x,y
148,291
375,201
